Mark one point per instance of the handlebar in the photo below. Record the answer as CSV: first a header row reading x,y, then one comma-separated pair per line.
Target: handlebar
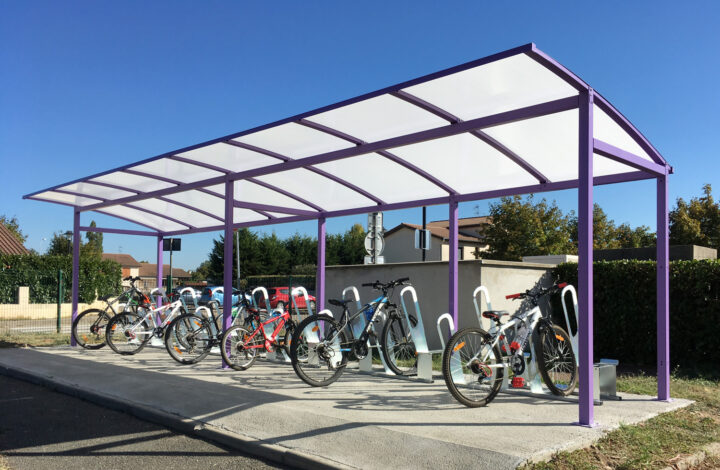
x,y
538,293
132,279
377,285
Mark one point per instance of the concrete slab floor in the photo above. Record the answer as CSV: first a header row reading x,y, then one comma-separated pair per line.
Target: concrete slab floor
x,y
361,421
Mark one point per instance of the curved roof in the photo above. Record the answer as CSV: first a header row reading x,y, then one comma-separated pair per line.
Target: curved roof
x,y
504,124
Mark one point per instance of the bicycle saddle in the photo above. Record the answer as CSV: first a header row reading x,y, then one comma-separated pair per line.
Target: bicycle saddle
x,y
105,298
495,314
339,303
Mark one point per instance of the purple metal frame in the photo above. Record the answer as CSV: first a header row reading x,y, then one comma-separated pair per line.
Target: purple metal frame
x,y
453,261
228,259
320,277
587,145
159,271
585,254
75,269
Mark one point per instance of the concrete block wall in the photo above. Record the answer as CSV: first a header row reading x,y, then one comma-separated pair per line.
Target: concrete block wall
x,y
430,280
24,310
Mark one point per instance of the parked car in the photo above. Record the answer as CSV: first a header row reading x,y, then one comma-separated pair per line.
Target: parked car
x,y
187,296
280,298
216,293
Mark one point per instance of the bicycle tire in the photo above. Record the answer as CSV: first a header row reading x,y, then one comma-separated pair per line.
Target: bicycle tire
x,y
461,377
287,340
120,342
556,361
96,330
233,347
188,339
398,348
310,364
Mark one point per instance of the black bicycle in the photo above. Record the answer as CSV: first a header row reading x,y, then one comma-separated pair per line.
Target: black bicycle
x,y
88,328
321,345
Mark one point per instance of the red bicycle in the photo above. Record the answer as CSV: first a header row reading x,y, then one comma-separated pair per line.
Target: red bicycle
x,y
240,344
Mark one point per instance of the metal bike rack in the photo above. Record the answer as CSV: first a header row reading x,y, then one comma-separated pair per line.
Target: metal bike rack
x,y
357,327
451,327
573,337
417,332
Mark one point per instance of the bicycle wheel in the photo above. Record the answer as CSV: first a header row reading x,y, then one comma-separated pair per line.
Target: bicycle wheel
x,y
127,333
470,367
318,350
88,329
398,346
238,350
556,361
188,339
287,338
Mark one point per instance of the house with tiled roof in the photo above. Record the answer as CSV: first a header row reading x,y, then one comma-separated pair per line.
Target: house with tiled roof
x,y
9,244
130,266
400,240
148,276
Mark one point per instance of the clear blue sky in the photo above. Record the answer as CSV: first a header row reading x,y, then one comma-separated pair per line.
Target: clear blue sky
x,y
88,86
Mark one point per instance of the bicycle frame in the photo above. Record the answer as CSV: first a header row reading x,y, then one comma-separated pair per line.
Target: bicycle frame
x,y
150,317
376,304
280,319
534,315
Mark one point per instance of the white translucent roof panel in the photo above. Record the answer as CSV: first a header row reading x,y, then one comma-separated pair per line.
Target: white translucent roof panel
x,y
466,164
246,215
194,218
318,189
175,170
604,166
378,118
504,85
383,178
67,198
229,157
549,143
158,223
295,141
250,192
607,130
139,183
201,200
97,190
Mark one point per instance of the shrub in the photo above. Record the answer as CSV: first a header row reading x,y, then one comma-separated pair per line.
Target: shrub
x,y
625,316
97,277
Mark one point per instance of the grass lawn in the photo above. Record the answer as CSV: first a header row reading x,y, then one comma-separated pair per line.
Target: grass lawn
x,y
21,340
658,442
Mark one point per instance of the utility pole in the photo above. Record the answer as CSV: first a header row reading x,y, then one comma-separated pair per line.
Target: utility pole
x,y
424,215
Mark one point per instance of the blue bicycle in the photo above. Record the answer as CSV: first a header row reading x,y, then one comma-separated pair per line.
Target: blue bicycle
x,y
321,345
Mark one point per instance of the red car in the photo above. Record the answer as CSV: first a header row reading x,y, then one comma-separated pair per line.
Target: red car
x,y
279,298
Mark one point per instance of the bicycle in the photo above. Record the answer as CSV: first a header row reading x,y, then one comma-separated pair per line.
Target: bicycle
x,y
240,344
320,345
127,333
191,337
474,360
88,328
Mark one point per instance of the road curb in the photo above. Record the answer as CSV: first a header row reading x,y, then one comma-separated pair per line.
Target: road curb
x,y
246,444
693,460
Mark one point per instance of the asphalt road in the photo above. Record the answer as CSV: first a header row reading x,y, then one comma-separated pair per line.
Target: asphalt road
x,y
41,429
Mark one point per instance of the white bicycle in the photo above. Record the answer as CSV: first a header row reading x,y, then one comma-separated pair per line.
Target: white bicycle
x,y
129,332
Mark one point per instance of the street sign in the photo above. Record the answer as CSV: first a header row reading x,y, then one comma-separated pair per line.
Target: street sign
x,y
374,244
171,244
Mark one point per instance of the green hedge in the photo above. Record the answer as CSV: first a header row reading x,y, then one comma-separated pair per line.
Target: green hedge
x,y
97,277
625,310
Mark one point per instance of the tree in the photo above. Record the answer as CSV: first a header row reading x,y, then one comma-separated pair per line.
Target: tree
x,y
94,245
202,272
14,227
606,235
60,244
696,222
526,228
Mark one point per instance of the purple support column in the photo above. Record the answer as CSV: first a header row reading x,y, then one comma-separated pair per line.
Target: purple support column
x,y
228,259
75,269
159,267
320,278
663,295
585,262
453,261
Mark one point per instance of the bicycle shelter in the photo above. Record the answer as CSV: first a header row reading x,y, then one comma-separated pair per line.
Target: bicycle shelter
x,y
512,123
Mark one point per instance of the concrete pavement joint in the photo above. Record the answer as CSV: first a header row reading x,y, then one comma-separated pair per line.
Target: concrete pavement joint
x,y
202,430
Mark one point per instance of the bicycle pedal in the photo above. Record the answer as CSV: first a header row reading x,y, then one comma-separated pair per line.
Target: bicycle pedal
x,y
517,382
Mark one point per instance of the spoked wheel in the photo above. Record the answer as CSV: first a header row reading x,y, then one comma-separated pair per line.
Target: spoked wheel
x,y
470,367
318,350
127,333
398,345
238,350
188,339
88,329
557,361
